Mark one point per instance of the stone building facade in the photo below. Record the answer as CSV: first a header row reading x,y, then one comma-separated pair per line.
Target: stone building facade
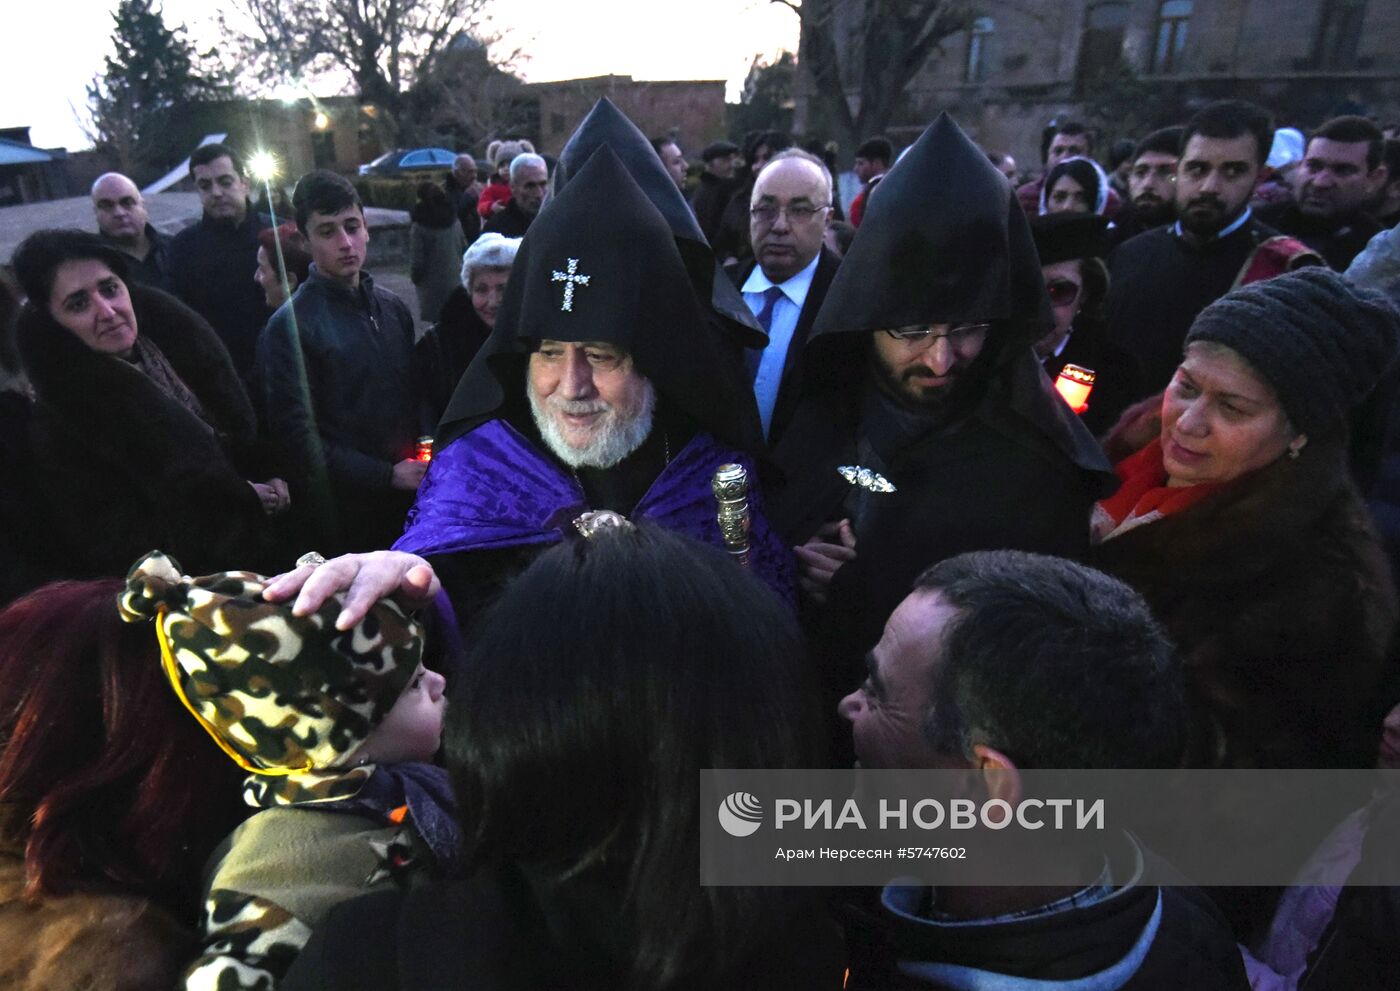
x,y
1129,65
691,112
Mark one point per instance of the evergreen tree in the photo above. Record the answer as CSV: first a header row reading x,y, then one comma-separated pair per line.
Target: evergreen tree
x,y
152,73
767,99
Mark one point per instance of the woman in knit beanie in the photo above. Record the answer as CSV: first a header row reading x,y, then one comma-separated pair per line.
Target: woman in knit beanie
x,y
1240,525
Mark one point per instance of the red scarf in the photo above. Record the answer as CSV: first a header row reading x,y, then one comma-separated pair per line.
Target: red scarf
x,y
1143,496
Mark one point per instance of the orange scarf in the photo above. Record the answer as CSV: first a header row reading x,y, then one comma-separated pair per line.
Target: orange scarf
x,y
1143,496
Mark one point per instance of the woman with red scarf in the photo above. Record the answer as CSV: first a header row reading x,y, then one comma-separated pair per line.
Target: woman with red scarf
x,y
1238,521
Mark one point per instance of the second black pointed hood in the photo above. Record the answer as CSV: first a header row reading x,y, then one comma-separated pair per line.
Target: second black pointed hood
x,y
600,264
608,127
943,240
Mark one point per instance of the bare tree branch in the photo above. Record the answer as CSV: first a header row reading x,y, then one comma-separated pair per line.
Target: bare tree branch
x,y
873,66
384,46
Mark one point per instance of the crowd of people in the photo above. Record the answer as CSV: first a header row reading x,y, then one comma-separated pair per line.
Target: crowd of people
x,y
341,655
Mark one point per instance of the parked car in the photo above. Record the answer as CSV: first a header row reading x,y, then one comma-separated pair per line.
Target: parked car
x,y
410,160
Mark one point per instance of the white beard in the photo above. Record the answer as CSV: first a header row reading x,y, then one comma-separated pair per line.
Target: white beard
x,y
615,437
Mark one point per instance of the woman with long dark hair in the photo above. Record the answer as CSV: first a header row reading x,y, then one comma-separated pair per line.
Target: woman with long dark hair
x,y
609,673
111,798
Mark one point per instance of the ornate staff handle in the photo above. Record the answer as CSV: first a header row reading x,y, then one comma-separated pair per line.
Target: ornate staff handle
x,y
730,485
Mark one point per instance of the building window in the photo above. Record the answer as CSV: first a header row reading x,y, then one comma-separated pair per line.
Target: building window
x,y
978,42
1339,33
1172,18
1101,44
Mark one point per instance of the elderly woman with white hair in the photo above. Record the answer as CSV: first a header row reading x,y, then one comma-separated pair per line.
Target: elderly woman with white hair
x,y
467,319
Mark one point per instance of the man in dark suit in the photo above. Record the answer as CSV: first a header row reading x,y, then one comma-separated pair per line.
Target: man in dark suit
x,y
787,281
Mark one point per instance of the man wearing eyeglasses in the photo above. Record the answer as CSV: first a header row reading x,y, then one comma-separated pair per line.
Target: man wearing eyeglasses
x,y
792,268
925,426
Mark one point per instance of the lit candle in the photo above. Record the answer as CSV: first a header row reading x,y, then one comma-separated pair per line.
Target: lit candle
x,y
1074,385
424,450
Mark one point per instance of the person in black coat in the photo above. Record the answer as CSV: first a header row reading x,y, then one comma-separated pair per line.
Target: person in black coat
x,y
785,284
716,186
212,262
143,435
926,426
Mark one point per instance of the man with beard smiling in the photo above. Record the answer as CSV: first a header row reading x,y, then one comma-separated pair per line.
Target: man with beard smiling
x,y
926,427
603,389
1161,279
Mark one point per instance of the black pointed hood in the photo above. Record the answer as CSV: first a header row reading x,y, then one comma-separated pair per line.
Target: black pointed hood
x,y
607,126
943,240
600,264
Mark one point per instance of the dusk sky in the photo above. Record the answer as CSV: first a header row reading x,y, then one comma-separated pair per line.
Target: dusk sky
x,y
51,49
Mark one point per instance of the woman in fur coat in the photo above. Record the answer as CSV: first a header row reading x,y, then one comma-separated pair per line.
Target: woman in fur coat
x,y
1238,522
143,434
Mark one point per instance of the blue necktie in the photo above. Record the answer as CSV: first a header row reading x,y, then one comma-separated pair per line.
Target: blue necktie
x,y
771,295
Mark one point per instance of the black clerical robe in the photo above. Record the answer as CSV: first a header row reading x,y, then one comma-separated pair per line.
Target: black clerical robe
x,y
992,480
1159,282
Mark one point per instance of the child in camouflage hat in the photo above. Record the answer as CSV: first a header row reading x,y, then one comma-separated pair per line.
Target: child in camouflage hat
x,y
336,728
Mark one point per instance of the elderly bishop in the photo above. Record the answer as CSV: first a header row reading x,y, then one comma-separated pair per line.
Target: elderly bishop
x,y
603,387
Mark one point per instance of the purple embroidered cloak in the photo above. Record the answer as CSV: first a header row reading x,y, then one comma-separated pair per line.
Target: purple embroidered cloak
x,y
491,489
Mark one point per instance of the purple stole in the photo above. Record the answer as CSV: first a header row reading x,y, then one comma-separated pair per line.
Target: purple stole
x,y
491,488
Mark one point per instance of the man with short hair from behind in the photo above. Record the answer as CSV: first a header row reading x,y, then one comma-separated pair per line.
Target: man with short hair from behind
x,y
1342,171
337,375
529,180
1162,278
122,221
1001,662
210,260
785,284
873,159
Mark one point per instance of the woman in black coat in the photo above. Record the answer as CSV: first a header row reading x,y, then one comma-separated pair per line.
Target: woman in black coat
x,y
143,435
1237,520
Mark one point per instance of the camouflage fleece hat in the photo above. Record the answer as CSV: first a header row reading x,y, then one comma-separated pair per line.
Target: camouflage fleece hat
x,y
279,693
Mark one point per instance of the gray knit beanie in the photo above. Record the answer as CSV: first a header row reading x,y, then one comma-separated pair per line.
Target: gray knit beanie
x,y
1321,342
